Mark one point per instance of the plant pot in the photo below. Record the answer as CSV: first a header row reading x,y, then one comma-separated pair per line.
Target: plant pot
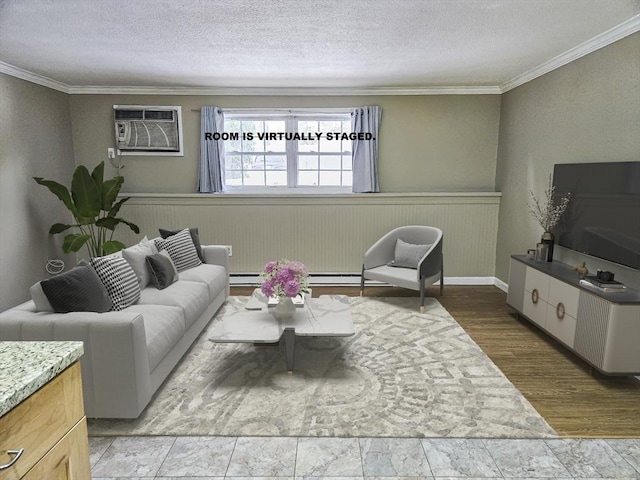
x,y
284,310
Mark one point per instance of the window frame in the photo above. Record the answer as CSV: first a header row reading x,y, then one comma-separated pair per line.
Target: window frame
x,y
291,117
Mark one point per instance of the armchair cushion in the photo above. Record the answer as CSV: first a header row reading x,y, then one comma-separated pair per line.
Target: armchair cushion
x,y
408,255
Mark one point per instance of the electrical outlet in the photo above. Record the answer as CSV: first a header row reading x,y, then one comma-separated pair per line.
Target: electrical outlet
x,y
111,152
229,250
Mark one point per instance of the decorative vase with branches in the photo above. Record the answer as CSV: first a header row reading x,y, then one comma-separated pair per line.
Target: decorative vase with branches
x,y
93,203
547,214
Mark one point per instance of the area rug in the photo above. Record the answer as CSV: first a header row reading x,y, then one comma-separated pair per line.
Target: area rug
x,y
403,374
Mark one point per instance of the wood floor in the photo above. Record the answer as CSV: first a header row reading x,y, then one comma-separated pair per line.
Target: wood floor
x,y
575,401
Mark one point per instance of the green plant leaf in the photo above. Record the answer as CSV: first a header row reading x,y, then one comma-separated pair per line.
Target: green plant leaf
x,y
59,191
116,207
108,222
110,191
98,176
74,242
131,225
85,193
59,228
112,246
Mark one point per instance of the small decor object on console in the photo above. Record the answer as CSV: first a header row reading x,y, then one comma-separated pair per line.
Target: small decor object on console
x,y
582,269
285,280
548,215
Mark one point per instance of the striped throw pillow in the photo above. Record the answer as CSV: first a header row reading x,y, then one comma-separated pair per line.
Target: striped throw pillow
x,y
119,279
181,250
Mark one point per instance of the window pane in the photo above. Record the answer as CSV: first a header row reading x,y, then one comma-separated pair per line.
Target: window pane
x,y
232,162
254,162
255,177
308,162
329,178
308,127
330,162
347,162
346,144
275,126
276,162
232,126
254,145
333,145
276,178
306,178
233,178
347,179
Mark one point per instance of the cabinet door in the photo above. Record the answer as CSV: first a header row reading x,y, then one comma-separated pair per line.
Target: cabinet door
x,y
562,311
536,291
67,460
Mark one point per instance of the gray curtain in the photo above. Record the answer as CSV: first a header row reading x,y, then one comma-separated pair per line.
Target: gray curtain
x,y
365,152
211,173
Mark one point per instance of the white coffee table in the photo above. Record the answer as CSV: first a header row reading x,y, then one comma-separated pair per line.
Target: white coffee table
x,y
325,316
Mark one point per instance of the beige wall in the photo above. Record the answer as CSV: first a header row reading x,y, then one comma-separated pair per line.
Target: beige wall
x,y
586,111
427,143
35,140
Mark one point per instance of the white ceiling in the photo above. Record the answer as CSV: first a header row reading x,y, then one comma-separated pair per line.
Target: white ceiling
x,y
302,43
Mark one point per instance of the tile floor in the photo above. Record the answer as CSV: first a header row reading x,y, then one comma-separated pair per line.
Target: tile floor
x,y
208,458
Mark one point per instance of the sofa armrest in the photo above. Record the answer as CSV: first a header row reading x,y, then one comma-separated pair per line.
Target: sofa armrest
x,y
115,364
216,255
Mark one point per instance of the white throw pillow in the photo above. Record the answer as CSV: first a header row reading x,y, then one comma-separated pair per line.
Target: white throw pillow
x,y
136,256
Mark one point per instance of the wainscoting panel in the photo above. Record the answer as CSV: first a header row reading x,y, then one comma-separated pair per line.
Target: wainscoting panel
x,y
329,233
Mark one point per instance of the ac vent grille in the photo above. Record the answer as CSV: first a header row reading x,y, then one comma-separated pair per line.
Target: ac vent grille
x,y
148,130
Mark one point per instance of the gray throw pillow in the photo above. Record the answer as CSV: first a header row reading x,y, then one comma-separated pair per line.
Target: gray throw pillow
x,y
78,290
162,271
195,236
408,255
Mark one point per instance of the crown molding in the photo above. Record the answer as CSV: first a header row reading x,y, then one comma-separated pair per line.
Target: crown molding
x,y
612,35
284,91
33,77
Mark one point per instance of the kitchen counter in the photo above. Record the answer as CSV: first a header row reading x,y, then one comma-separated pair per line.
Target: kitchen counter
x,y
27,366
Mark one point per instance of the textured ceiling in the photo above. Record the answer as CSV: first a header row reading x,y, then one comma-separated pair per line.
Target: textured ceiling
x,y
296,43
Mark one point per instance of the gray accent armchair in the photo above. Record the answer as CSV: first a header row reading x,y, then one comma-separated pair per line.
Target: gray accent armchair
x,y
430,267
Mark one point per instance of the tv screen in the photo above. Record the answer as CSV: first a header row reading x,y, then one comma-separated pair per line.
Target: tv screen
x,y
603,216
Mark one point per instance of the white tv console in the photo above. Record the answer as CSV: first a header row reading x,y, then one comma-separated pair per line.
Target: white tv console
x,y
600,327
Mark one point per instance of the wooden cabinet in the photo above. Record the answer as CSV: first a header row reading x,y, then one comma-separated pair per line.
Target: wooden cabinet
x,y
602,328
51,430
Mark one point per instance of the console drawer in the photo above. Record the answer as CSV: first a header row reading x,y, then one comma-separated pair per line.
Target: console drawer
x,y
538,282
561,325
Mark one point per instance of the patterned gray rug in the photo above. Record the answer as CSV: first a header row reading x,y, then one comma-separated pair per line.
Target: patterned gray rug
x,y
402,375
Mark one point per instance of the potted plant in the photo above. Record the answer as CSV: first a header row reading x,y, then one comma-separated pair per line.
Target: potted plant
x,y
92,202
547,214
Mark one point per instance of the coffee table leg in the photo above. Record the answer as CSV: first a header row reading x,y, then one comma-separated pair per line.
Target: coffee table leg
x,y
289,343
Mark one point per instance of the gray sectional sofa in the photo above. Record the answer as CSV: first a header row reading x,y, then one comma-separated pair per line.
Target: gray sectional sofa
x,y
129,353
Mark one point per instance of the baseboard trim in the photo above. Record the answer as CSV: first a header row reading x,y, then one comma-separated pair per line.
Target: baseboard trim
x,y
501,285
354,279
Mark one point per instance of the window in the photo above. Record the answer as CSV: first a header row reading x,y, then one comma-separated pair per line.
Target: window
x,y
269,149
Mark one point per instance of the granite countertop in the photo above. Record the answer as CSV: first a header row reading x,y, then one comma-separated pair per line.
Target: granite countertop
x,y
27,366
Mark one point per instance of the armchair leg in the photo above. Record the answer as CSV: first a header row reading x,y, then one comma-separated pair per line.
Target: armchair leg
x,y
422,295
362,282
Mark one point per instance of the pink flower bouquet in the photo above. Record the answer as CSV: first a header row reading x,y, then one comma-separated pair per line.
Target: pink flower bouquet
x,y
284,279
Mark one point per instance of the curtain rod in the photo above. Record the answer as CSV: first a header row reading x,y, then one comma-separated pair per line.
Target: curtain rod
x,y
284,110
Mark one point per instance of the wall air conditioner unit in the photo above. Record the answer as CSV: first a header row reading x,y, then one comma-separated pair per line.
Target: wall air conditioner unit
x,y
148,130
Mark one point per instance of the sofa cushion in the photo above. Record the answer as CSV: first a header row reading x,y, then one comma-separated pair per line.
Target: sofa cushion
x,y
192,297
408,255
119,279
136,256
78,290
164,326
162,271
214,276
182,250
195,237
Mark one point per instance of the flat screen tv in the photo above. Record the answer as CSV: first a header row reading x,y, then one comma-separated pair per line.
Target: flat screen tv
x,y
603,216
